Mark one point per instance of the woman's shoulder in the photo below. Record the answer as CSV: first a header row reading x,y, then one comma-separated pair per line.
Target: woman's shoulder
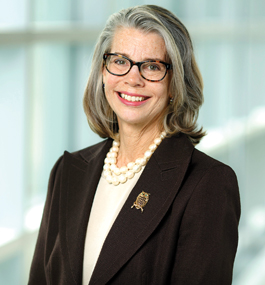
x,y
213,175
79,157
93,150
205,162
199,161
82,155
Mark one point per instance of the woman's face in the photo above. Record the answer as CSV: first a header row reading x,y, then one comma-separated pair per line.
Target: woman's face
x,y
137,46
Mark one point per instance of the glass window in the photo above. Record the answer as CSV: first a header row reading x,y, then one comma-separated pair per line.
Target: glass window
x,y
13,14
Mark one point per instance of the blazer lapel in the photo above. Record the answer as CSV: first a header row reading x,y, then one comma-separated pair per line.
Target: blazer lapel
x,y
162,178
81,173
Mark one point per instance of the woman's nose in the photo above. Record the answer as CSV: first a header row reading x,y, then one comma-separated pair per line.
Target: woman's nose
x,y
133,77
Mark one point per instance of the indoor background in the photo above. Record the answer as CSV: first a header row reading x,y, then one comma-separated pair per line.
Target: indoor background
x,y
45,53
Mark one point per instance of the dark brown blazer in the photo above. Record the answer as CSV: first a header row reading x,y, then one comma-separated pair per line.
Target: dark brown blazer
x,y
186,235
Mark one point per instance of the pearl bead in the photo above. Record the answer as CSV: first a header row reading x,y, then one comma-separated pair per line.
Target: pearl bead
x,y
112,160
122,178
148,154
153,147
106,173
106,161
106,167
163,135
136,168
115,149
129,174
109,179
130,165
115,181
113,154
113,167
141,161
117,171
123,169
158,141
115,143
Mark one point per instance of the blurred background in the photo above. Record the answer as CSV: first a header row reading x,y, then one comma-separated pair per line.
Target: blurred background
x,y
45,53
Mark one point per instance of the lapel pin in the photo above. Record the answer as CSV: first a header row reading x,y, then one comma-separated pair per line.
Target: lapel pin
x,y
141,201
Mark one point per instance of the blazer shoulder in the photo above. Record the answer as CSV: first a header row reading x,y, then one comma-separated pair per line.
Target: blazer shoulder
x,y
78,158
205,162
214,176
90,152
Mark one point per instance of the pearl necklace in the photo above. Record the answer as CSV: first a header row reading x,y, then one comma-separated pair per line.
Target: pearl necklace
x,y
115,175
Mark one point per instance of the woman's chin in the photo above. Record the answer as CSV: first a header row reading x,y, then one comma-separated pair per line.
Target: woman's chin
x,y
136,122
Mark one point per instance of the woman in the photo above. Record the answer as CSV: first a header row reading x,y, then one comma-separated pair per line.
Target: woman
x,y
143,206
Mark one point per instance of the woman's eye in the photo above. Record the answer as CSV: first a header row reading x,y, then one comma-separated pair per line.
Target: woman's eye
x,y
153,67
120,62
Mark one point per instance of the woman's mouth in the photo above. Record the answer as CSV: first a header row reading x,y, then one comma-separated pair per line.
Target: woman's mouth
x,y
132,98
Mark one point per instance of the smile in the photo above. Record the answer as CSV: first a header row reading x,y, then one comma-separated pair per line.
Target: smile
x,y
132,98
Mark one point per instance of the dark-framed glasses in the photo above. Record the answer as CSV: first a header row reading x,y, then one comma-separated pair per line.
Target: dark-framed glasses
x,y
151,70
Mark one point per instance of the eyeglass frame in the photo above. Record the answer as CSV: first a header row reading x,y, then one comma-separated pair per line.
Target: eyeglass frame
x,y
137,63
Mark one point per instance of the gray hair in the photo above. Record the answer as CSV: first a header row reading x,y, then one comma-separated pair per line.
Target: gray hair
x,y
185,85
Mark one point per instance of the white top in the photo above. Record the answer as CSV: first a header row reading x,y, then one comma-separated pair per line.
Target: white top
x,y
107,204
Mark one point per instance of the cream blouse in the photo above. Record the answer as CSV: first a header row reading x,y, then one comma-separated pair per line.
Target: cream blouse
x,y
107,204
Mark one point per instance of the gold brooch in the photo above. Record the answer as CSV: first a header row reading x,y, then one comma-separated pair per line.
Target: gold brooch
x,y
141,201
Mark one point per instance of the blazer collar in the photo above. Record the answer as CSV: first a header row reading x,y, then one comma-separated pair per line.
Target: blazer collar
x,y
161,178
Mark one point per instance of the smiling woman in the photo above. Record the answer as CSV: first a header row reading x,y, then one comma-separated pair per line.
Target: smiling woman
x,y
170,41
143,94
154,96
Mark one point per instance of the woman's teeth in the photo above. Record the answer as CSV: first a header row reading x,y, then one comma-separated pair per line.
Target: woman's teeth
x,y
132,98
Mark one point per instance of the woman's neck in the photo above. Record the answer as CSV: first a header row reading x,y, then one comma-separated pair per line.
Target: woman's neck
x,y
134,143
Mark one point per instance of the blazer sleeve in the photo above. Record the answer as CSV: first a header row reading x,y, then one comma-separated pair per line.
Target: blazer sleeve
x,y
38,272
209,231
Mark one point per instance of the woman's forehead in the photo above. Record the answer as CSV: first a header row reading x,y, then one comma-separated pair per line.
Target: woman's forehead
x,y
136,43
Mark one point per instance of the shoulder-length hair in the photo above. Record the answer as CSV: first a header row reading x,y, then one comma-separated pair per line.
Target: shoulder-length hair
x,y
186,83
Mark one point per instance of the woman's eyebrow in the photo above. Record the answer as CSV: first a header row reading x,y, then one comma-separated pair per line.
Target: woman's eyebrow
x,y
146,59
